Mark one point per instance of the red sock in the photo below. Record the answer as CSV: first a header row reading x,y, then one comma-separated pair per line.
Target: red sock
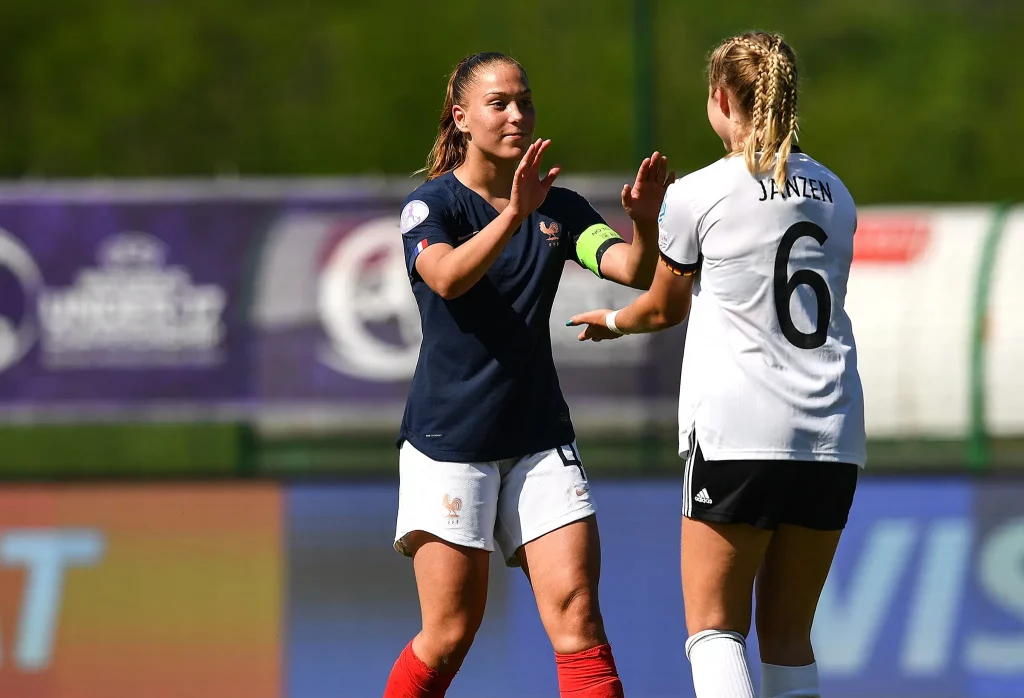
x,y
411,678
588,674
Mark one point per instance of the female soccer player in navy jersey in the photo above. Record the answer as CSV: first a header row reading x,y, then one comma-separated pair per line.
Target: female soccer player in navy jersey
x,y
488,453
771,411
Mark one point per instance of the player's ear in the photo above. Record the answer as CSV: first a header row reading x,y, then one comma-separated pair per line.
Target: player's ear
x,y
459,115
723,101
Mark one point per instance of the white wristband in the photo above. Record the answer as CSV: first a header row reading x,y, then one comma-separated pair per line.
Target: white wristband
x,y
609,321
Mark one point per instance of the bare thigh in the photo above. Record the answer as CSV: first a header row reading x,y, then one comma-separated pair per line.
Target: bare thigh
x,y
789,585
564,568
719,563
452,585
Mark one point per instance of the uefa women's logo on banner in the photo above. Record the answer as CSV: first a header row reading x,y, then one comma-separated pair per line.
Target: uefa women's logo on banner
x,y
366,307
20,286
132,309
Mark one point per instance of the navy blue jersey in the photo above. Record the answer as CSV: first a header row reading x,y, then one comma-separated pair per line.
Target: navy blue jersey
x,y
485,386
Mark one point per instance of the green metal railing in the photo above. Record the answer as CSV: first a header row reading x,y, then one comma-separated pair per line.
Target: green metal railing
x,y
643,77
978,452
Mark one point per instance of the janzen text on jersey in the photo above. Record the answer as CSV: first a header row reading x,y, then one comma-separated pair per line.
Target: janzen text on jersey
x,y
797,186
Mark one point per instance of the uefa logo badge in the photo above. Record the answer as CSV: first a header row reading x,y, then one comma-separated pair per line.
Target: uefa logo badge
x,y
20,286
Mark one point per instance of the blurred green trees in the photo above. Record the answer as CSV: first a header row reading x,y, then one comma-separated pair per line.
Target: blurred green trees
x,y
907,101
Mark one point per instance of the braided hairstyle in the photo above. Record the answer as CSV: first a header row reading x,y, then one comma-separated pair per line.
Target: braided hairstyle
x,y
759,70
449,149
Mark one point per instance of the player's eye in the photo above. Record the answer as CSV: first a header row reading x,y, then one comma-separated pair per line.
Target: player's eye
x,y
498,104
527,104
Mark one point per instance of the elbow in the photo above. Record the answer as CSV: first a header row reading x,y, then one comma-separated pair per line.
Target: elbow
x,y
672,320
641,280
643,273
447,292
448,289
672,316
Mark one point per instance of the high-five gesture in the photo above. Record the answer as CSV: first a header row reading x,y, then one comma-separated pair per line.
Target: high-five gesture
x,y
528,189
643,200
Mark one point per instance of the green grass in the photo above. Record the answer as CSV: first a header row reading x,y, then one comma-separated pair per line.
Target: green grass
x,y
70,452
109,450
652,454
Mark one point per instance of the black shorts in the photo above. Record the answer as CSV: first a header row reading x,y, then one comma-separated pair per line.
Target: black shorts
x,y
766,493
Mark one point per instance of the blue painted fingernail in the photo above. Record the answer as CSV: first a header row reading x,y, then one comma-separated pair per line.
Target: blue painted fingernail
x,y
568,323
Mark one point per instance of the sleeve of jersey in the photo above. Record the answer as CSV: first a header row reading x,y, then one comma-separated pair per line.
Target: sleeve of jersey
x,y
424,222
678,239
591,236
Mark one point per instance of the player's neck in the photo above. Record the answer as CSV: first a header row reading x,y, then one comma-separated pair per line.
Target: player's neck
x,y
491,179
736,137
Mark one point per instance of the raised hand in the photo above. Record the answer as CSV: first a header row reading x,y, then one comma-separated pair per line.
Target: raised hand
x,y
642,201
528,189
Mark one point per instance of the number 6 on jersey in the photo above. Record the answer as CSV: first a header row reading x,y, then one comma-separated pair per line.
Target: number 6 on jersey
x,y
784,287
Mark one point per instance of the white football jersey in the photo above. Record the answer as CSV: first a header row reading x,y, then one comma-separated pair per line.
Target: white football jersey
x,y
770,365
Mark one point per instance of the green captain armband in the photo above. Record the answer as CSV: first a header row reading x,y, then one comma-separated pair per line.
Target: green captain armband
x,y
591,246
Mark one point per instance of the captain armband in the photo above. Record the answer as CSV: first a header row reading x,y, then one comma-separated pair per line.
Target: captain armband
x,y
593,243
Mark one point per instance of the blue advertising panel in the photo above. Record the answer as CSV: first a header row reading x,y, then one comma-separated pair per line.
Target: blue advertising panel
x,y
925,599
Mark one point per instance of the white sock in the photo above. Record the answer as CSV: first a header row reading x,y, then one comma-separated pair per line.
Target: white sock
x,y
789,681
718,659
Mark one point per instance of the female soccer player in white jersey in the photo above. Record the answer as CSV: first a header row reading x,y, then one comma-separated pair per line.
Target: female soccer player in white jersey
x,y
771,414
488,453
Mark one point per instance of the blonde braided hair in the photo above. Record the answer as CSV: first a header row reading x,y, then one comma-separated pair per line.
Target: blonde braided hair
x,y
759,70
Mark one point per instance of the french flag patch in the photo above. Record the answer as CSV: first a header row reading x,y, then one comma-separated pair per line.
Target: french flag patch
x,y
420,246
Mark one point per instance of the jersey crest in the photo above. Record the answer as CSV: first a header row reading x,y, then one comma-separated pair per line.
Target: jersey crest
x,y
551,232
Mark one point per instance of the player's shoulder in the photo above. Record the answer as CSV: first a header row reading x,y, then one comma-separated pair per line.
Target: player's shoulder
x,y
803,164
568,206
709,178
432,199
437,191
803,160
565,197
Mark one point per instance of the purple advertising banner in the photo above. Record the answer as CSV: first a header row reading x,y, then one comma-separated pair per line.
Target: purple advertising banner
x,y
123,302
285,301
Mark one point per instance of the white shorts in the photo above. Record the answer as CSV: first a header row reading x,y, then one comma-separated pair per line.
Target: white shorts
x,y
510,501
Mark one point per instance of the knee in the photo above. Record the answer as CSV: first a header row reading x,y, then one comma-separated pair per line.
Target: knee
x,y
574,620
785,645
717,614
698,622
447,643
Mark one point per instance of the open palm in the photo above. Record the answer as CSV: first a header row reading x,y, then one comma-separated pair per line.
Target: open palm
x,y
528,189
642,201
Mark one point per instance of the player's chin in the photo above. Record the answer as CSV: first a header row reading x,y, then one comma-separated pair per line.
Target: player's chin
x,y
512,153
513,148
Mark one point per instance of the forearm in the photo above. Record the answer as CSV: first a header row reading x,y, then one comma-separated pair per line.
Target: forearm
x,y
642,259
466,264
646,315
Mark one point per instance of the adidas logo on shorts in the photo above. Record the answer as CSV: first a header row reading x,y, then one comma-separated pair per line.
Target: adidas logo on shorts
x,y
703,497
